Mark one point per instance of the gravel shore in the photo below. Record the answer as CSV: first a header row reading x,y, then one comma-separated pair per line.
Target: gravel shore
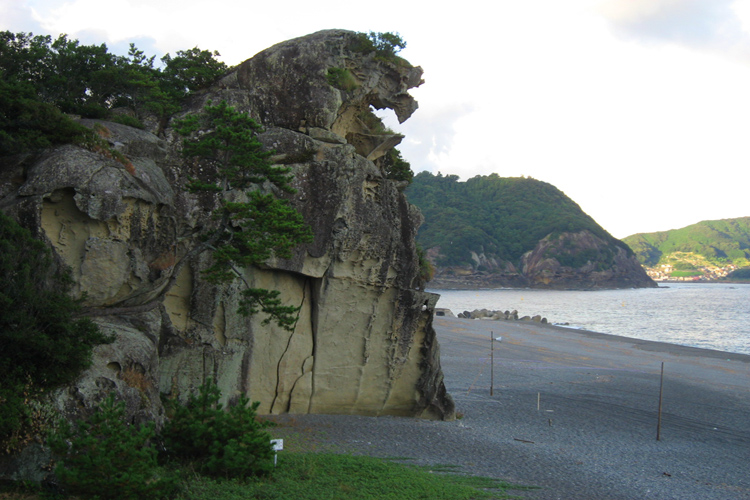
x,y
572,412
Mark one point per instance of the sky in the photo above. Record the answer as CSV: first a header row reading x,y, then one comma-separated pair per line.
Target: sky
x,y
639,110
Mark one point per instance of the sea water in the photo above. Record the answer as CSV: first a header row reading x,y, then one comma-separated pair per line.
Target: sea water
x,y
705,315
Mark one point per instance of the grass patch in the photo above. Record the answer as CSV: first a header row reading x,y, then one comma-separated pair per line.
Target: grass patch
x,y
318,476
341,79
330,476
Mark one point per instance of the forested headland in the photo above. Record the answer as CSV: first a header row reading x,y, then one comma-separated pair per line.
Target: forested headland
x,y
500,216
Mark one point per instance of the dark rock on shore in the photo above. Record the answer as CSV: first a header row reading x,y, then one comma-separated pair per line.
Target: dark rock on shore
x,y
498,315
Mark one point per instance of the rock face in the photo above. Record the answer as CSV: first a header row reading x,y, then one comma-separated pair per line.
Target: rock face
x,y
568,261
543,267
364,342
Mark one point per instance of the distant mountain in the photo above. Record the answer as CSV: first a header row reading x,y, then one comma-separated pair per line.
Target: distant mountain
x,y
691,250
511,231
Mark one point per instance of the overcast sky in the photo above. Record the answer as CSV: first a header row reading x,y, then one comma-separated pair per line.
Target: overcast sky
x,y
639,110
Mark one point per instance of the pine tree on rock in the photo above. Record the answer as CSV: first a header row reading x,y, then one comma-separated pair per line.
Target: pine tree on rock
x,y
253,223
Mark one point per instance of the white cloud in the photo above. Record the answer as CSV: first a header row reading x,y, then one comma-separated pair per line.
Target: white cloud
x,y
715,25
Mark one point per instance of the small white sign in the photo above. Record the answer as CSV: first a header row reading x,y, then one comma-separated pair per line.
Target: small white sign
x,y
278,444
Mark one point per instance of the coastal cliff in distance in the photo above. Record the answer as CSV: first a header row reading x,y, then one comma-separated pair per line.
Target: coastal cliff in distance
x,y
491,232
363,342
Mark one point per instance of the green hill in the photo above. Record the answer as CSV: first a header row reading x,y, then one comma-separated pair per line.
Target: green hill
x,y
717,243
499,217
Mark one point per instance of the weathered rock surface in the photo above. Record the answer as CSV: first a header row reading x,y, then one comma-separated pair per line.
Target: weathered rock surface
x,y
364,342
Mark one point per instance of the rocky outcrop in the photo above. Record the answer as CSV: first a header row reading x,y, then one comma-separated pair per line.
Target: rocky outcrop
x,y
364,342
566,261
583,261
498,315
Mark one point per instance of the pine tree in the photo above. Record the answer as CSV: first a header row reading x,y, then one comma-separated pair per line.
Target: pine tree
x,y
105,457
229,443
251,230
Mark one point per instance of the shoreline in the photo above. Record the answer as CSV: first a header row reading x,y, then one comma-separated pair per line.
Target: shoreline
x,y
645,344
656,345
453,286
694,315
573,412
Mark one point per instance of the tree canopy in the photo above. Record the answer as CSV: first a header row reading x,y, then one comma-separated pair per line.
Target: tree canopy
x,y
385,46
43,79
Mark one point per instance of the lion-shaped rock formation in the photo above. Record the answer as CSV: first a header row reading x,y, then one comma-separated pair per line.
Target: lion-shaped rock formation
x,y
364,342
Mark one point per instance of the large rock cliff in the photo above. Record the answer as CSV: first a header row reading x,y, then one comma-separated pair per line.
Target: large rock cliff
x,y
364,342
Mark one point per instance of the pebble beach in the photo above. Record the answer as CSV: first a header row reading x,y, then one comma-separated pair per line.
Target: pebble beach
x,y
574,413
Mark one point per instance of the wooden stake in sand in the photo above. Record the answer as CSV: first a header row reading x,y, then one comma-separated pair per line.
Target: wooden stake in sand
x,y
661,392
538,400
492,362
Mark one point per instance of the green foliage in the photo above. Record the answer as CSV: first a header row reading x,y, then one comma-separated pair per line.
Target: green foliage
x,y
372,124
395,167
501,217
44,344
308,476
130,121
341,79
228,139
684,266
720,242
385,46
229,443
42,79
193,69
685,274
27,124
426,269
252,230
739,274
105,457
579,258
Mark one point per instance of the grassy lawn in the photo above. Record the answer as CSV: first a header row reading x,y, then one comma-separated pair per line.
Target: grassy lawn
x,y
331,476
312,468
318,476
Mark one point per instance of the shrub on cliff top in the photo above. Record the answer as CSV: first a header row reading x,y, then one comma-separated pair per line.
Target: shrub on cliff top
x,y
386,45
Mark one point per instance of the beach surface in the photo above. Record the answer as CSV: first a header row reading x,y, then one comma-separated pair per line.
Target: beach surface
x,y
574,413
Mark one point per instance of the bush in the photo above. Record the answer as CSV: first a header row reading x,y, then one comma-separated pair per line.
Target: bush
x,y
341,79
27,124
104,457
426,269
384,45
228,443
396,168
739,274
130,121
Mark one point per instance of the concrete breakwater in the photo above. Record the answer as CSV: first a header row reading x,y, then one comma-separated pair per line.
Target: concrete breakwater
x,y
489,314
